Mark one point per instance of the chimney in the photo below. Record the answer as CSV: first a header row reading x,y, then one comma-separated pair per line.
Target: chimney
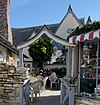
x,y
5,29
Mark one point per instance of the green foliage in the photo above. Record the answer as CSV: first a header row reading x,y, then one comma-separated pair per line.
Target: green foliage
x,y
86,28
41,51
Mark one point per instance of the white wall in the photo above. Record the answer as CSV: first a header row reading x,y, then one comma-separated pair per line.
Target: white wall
x,y
14,56
69,22
3,49
25,51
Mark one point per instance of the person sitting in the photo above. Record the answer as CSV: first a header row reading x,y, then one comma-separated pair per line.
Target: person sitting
x,y
53,73
53,79
33,75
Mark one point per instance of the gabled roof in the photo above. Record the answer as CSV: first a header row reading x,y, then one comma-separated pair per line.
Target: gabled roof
x,y
21,35
80,21
45,30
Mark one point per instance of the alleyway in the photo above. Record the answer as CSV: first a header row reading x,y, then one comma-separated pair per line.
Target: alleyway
x,y
48,97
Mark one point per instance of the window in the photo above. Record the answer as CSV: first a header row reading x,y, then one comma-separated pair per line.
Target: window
x,y
89,67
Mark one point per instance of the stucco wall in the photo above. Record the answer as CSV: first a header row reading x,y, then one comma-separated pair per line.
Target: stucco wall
x,y
25,51
68,22
14,56
3,49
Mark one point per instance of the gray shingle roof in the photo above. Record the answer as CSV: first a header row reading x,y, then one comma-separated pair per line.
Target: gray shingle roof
x,y
21,35
82,21
4,42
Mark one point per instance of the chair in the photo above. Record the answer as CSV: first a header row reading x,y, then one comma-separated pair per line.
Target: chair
x,y
35,88
40,77
44,83
53,80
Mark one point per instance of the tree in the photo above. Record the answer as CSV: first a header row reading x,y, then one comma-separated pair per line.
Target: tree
x,y
41,52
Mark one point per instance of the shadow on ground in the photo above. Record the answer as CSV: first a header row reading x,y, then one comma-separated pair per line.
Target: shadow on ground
x,y
47,100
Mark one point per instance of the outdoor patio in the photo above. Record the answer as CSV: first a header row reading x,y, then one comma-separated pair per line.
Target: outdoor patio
x,y
48,97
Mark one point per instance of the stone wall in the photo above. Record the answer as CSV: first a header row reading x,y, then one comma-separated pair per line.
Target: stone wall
x,y
10,84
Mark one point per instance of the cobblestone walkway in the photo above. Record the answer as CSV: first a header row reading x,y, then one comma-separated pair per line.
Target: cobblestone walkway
x,y
48,97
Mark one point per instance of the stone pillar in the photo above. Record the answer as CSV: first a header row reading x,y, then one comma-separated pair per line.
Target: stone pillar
x,y
69,62
10,84
21,57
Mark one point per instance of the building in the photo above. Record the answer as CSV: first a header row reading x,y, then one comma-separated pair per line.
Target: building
x,y
87,53
8,52
58,32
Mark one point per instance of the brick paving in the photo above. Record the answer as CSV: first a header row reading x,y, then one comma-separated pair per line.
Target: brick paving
x,y
48,97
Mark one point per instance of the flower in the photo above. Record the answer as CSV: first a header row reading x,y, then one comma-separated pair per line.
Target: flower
x,y
43,49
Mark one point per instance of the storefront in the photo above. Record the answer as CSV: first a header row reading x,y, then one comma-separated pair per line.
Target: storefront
x,y
88,63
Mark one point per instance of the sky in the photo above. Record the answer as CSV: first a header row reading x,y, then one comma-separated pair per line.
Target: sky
x,y
29,13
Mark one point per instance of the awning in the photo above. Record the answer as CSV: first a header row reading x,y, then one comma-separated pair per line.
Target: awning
x,y
88,36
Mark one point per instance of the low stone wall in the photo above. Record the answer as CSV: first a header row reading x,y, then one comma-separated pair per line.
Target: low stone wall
x,y
10,84
86,101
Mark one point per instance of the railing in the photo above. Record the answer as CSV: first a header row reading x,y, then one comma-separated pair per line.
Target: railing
x,y
67,93
25,92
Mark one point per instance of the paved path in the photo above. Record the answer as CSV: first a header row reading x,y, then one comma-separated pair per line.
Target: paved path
x,y
48,97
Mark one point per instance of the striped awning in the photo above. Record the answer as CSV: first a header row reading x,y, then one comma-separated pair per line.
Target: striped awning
x,y
88,36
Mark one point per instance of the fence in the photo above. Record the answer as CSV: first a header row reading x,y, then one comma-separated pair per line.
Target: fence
x,y
25,92
67,93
